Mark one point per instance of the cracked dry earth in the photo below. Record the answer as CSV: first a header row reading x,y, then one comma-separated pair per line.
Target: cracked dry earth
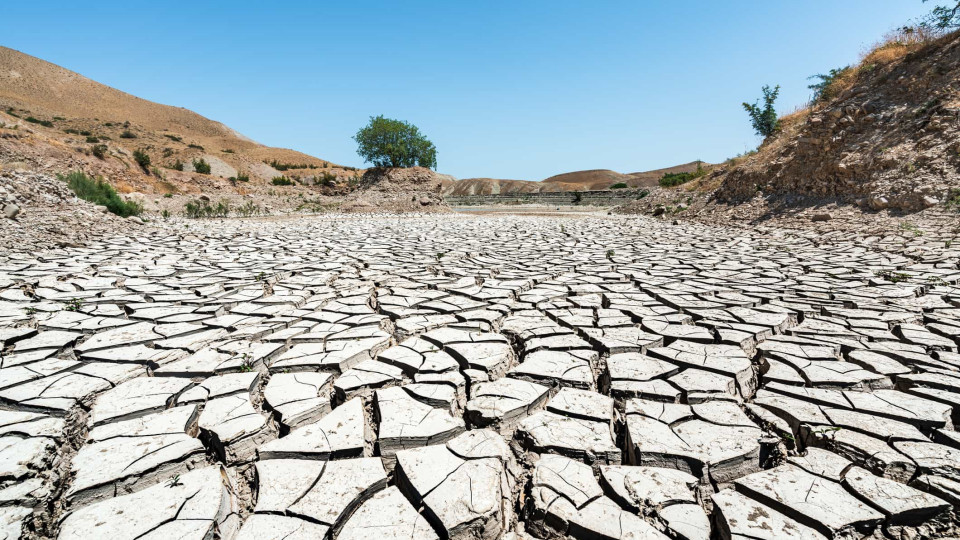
x,y
480,378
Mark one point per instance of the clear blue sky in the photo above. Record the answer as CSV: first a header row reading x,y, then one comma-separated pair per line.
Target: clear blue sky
x,y
504,89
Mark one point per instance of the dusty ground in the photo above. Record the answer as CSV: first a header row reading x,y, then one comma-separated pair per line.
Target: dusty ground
x,y
480,377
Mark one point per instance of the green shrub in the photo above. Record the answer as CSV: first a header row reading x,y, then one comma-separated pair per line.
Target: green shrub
x,y
619,185
72,131
93,140
675,179
176,166
142,159
643,193
243,177
97,191
99,150
202,209
281,181
201,166
824,89
168,195
44,123
249,209
173,137
197,146
328,179
280,166
394,143
127,134
764,119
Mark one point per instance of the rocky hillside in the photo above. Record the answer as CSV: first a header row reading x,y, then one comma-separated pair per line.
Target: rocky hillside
x,y
572,181
52,119
886,137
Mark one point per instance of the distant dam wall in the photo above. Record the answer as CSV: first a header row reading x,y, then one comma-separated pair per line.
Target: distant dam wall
x,y
606,197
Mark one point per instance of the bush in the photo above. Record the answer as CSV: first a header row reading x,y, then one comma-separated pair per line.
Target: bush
x,y
764,119
44,123
97,191
176,166
280,166
201,166
825,89
394,143
675,179
127,134
249,209
619,185
328,179
281,181
202,209
93,140
197,146
173,137
99,150
243,177
142,159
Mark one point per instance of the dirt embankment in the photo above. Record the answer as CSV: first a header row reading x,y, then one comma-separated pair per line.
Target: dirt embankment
x,y
394,190
887,136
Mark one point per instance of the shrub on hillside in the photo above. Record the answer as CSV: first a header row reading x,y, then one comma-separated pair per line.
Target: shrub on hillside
x,y
328,179
201,166
127,134
281,181
675,179
827,87
619,185
97,191
142,159
44,123
394,143
202,209
243,177
99,150
176,165
764,119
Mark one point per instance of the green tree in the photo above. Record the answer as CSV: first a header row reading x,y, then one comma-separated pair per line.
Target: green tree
x,y
394,143
764,119
943,17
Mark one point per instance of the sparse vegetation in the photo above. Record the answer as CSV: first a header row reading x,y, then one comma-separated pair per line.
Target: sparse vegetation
x,y
280,166
619,185
196,146
227,151
142,159
98,191
176,165
243,177
249,209
74,304
394,143
127,134
93,140
953,199
328,179
764,119
202,209
201,166
675,179
281,181
44,123
827,88
173,137
99,150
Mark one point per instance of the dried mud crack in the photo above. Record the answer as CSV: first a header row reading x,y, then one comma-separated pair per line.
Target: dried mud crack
x,y
444,376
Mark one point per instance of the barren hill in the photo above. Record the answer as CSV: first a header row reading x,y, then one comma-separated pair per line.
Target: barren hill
x,y
885,136
573,181
61,113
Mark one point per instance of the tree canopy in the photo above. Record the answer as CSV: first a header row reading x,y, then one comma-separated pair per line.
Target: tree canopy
x,y
394,143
